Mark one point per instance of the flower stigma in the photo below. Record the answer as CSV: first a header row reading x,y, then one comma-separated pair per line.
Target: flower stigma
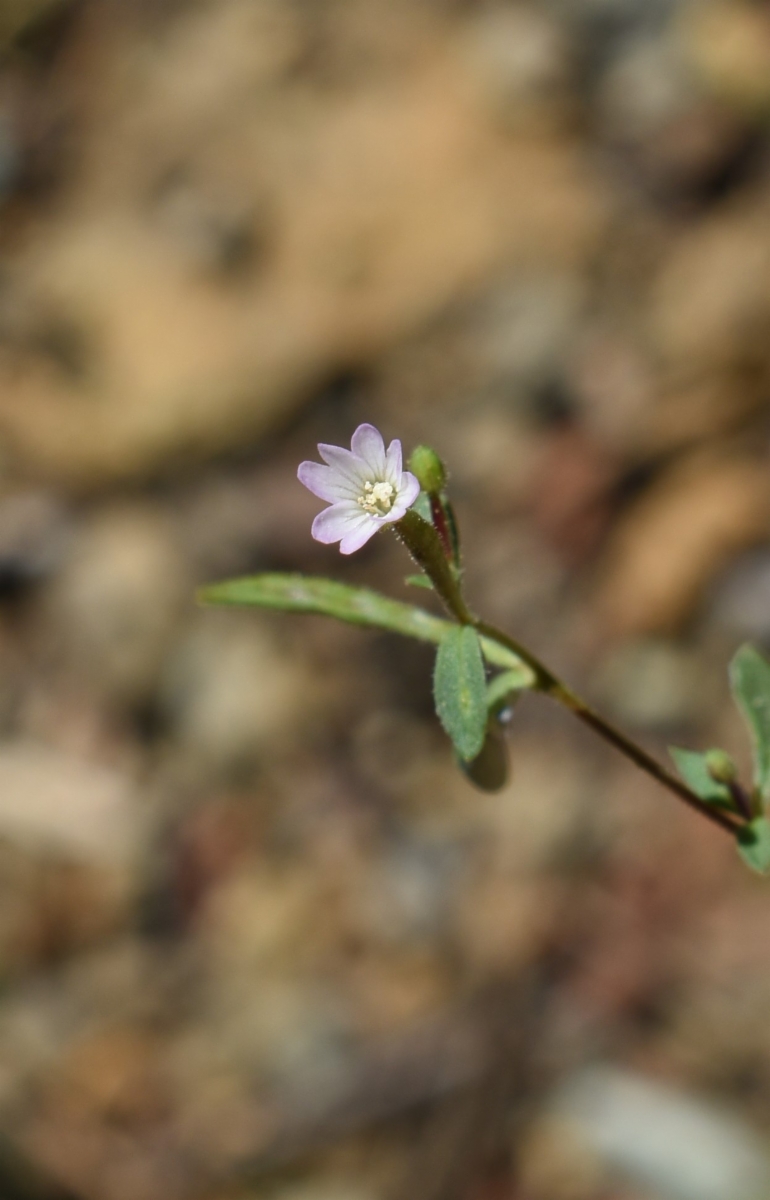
x,y
377,498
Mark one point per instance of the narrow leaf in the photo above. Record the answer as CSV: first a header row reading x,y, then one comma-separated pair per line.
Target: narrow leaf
x,y
505,688
750,679
303,594
501,656
754,845
359,606
460,690
692,767
420,581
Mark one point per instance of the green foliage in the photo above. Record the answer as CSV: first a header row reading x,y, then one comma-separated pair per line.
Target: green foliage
x,y
489,769
505,689
693,767
358,606
422,507
420,581
303,594
460,690
754,845
750,679
501,656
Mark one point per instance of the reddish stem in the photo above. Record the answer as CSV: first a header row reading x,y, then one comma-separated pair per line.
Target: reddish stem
x,y
441,525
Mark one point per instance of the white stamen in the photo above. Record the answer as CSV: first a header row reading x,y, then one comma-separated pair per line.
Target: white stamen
x,y
377,498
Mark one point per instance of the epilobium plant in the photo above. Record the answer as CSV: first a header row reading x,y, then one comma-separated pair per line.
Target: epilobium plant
x,y
481,671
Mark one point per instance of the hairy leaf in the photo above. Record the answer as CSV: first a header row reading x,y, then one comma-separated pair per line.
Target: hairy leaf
x,y
460,690
359,606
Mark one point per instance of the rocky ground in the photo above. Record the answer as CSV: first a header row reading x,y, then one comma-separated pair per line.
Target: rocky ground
x,y
259,938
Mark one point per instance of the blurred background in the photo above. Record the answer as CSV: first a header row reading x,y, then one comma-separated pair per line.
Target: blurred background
x,y
259,938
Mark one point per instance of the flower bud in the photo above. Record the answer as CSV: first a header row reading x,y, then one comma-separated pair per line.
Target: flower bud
x,y
721,767
429,469
489,769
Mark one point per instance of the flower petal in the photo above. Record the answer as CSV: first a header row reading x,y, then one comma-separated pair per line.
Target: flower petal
x,y
393,463
408,491
355,538
368,445
332,524
347,464
325,482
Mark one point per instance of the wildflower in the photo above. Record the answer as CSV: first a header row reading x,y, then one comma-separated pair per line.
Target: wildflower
x,y
365,487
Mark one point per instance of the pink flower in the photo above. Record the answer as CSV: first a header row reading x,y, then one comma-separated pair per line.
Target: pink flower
x,y
365,488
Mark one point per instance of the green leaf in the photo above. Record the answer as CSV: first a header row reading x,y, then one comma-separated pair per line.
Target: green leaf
x,y
460,690
420,581
750,679
303,594
422,507
754,845
501,656
692,767
359,606
505,688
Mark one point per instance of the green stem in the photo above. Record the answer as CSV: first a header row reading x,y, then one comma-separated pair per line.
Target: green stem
x,y
424,545
552,686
